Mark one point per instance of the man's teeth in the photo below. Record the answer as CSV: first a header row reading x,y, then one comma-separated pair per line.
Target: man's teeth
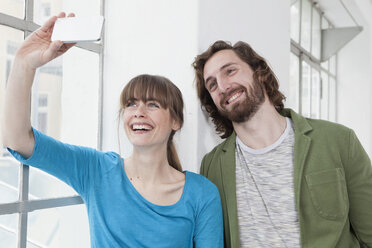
x,y
234,97
141,127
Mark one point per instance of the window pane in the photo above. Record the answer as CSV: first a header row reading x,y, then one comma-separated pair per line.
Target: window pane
x,y
65,90
14,8
43,9
9,174
9,41
306,25
325,65
315,94
324,97
332,65
8,230
316,34
325,23
80,97
332,99
46,99
43,185
58,228
294,84
306,89
295,21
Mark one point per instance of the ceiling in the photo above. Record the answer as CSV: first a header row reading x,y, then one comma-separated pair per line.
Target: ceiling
x,y
341,12
337,12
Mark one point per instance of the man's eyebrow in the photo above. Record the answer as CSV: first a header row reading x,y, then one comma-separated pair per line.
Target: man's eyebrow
x,y
221,68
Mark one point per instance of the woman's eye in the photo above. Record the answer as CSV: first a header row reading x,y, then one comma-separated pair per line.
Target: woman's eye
x,y
130,104
154,105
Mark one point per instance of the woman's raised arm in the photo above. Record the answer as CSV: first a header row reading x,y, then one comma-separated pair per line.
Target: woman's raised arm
x,y
35,51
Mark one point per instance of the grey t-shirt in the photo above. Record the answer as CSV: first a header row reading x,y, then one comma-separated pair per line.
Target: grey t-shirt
x,y
267,213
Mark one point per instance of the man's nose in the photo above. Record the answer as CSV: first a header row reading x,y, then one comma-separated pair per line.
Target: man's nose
x,y
223,85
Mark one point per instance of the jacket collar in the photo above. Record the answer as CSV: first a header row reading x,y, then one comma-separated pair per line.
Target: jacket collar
x,y
228,164
301,149
300,124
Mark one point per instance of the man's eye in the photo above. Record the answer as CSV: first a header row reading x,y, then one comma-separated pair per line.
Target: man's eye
x,y
212,85
231,70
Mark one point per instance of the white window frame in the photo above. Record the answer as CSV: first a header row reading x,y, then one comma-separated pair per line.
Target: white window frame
x,y
23,206
314,62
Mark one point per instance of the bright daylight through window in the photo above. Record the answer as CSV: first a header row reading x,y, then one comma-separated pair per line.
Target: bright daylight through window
x,y
36,209
312,81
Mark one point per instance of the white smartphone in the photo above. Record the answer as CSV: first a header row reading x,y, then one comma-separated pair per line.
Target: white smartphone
x,y
78,29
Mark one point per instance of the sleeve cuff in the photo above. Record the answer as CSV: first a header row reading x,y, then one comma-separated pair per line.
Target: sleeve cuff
x,y
21,158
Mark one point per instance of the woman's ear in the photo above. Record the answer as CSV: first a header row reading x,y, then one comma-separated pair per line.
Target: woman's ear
x,y
176,125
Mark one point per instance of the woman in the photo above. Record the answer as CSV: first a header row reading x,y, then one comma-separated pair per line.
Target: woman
x,y
143,201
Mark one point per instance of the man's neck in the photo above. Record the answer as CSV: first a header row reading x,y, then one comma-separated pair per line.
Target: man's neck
x,y
262,129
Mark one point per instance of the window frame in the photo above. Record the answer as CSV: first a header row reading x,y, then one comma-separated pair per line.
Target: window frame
x,y
315,63
23,206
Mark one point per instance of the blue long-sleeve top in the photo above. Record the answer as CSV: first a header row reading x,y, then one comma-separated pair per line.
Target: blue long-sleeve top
x,y
118,215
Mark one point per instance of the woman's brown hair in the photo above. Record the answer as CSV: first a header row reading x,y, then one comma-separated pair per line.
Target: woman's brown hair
x,y
150,87
262,74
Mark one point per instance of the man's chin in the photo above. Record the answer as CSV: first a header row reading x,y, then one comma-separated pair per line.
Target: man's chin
x,y
238,117
238,113
235,106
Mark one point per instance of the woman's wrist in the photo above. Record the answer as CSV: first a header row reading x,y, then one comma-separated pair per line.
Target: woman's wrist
x,y
21,65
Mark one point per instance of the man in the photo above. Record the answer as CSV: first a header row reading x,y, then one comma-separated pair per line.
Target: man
x,y
284,180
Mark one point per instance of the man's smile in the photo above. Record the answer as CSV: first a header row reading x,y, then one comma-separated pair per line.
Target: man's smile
x,y
234,97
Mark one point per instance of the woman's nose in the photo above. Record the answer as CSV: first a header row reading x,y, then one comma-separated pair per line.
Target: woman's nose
x,y
140,111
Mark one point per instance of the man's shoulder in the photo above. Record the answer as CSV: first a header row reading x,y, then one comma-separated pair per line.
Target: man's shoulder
x,y
213,158
327,127
227,144
317,126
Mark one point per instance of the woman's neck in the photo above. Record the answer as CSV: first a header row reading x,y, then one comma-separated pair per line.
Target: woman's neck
x,y
149,164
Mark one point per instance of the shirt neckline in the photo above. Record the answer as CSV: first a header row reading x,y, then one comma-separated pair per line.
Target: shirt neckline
x,y
270,147
143,199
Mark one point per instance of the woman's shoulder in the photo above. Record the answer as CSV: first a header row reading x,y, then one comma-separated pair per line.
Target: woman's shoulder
x,y
200,184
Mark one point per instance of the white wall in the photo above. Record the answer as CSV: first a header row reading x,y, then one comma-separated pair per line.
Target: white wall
x,y
154,37
355,81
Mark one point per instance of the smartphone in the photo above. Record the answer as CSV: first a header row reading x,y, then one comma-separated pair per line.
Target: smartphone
x,y
78,29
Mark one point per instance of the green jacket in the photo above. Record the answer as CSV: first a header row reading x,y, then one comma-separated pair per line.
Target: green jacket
x,y
332,181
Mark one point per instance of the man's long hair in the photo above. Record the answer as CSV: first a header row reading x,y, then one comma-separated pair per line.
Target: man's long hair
x,y
262,74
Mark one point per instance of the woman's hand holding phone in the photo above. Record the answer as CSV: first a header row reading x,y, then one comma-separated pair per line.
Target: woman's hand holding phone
x,y
38,48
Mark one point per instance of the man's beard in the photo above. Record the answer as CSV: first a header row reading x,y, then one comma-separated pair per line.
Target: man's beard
x,y
243,111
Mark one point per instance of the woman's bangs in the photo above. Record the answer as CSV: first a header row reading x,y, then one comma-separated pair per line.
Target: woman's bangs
x,y
146,89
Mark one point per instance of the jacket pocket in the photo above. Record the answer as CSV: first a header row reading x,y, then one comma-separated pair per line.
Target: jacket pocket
x,y
328,193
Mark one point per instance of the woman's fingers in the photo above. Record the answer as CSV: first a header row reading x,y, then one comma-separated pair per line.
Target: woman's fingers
x,y
68,46
55,48
48,24
52,50
61,15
